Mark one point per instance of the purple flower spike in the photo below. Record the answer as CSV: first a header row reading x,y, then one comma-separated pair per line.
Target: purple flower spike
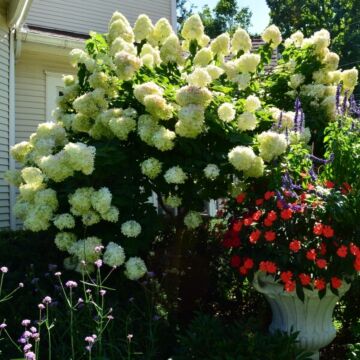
x,y
344,104
282,200
280,120
312,174
337,98
297,113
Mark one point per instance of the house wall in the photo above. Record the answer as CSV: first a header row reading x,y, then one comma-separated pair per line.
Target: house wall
x,y
30,89
81,16
4,119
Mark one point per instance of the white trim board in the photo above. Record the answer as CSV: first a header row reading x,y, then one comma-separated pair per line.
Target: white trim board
x,y
53,82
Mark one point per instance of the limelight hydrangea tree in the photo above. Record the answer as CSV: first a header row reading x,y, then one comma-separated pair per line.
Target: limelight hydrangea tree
x,y
189,119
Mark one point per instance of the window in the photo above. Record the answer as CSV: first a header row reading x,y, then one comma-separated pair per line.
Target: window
x,y
54,88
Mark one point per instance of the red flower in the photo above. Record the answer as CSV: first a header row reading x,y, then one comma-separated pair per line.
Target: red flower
x,y
318,229
248,221
303,197
286,214
319,284
272,216
295,245
268,222
321,263
311,187
357,263
259,202
270,235
237,225
329,184
269,194
335,282
243,270
257,215
248,263
323,249
286,276
240,198
268,266
311,255
290,286
235,261
279,204
346,188
304,279
342,251
254,236
354,249
328,231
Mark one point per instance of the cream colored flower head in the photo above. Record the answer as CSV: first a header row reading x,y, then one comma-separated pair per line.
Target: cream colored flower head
x,y
114,255
135,268
240,41
272,36
143,28
226,112
175,175
241,157
252,103
193,28
221,45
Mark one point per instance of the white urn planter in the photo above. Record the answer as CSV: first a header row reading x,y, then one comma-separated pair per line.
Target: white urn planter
x,y
311,318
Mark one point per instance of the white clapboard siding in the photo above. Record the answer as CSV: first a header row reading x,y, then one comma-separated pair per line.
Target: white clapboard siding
x,y
30,91
81,16
4,123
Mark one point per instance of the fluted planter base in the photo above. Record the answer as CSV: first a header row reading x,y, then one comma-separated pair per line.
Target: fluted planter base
x,y
311,318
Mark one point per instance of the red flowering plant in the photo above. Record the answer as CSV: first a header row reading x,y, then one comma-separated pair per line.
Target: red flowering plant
x,y
288,226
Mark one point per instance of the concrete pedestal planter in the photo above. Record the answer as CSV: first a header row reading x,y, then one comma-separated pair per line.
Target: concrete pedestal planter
x,y
311,318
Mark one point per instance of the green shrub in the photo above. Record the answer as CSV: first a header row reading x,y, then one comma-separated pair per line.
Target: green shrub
x,y
209,338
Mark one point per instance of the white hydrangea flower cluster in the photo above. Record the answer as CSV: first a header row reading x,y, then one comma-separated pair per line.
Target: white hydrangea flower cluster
x,y
322,90
271,145
151,168
175,175
86,249
193,220
272,36
135,268
211,171
114,255
93,206
173,201
131,229
64,240
227,112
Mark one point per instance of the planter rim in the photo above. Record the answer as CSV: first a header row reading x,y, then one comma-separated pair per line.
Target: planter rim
x,y
266,284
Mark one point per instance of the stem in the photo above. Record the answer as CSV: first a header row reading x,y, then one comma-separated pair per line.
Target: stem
x,y
12,341
72,326
48,331
1,282
37,342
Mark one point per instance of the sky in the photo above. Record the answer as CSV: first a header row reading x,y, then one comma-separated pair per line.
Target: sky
x,y
260,10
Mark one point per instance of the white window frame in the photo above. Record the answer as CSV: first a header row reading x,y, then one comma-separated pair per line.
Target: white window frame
x,y
53,82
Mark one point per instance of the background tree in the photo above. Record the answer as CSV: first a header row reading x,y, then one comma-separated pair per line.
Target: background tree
x,y
184,9
226,16
340,17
